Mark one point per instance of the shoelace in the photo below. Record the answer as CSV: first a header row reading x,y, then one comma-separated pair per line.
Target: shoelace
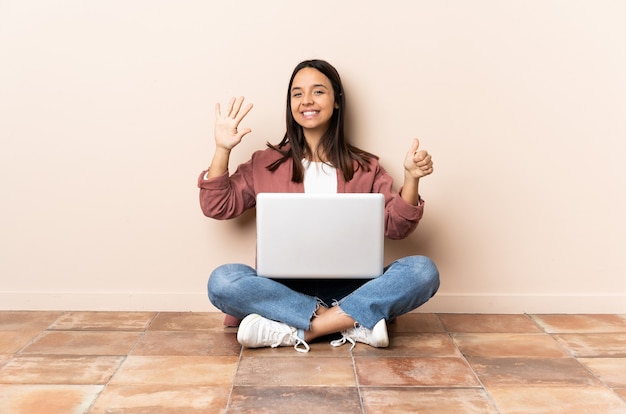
x,y
285,337
344,338
306,348
354,335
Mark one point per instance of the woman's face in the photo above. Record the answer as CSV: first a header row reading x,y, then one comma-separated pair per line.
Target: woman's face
x,y
312,100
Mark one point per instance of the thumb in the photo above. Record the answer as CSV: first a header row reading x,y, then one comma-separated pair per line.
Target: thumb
x,y
244,132
416,144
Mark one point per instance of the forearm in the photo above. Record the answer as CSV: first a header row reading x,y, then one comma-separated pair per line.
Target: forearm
x,y
410,189
219,164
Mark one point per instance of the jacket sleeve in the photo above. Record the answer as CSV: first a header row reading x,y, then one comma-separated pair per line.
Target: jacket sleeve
x,y
224,197
401,218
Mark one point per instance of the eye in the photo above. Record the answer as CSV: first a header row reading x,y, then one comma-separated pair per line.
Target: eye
x,y
296,94
318,92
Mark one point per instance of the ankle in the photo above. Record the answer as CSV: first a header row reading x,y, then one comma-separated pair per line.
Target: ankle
x,y
331,321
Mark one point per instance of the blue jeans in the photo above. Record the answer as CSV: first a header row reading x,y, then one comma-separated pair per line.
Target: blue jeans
x,y
405,285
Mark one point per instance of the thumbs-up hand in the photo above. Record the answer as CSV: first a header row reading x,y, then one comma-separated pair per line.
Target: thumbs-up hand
x,y
417,163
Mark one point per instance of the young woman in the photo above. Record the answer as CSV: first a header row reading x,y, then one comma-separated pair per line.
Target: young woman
x,y
314,156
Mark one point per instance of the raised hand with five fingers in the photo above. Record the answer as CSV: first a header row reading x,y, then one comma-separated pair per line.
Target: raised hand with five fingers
x,y
227,133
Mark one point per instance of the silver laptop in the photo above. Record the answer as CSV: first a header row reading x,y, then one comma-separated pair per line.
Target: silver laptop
x,y
320,235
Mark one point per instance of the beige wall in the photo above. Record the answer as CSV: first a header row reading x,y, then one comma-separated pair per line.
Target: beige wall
x,y
106,114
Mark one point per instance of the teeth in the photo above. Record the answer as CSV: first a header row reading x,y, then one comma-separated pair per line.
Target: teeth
x,y
309,113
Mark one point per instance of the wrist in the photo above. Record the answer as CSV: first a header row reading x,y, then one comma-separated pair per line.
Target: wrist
x,y
222,151
410,178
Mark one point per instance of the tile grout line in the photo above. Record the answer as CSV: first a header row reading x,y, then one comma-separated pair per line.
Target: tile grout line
x,y
358,384
18,352
39,335
124,358
464,357
232,383
576,358
585,367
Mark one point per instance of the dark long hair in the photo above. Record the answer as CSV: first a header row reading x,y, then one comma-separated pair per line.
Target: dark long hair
x,y
334,145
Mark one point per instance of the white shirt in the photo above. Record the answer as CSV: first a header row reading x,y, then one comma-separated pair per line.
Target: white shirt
x,y
319,177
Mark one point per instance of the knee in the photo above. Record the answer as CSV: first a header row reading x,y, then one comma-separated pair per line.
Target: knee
x,y
222,281
425,273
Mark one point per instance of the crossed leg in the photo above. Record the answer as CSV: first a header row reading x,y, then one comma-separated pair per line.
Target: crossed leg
x,y
328,321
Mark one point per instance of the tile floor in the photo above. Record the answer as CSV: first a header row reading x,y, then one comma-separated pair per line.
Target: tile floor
x,y
152,362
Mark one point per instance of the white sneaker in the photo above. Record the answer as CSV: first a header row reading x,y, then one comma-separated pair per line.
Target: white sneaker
x,y
256,331
376,337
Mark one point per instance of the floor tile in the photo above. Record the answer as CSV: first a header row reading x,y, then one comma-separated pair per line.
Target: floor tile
x,y
176,370
187,343
299,371
291,399
416,323
498,345
612,371
83,343
188,321
402,371
415,345
488,323
27,320
169,399
103,321
556,400
426,400
581,323
594,345
59,370
52,399
13,341
531,371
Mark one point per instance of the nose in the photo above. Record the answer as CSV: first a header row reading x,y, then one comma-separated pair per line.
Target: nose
x,y
307,98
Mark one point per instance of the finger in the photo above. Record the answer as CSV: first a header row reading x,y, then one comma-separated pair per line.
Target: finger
x,y
244,132
243,113
425,166
421,157
236,107
415,146
231,103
